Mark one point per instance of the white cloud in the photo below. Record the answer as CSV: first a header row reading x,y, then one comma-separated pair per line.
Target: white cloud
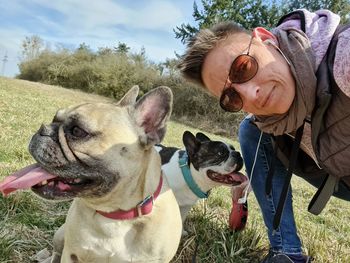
x,y
80,15
157,15
102,23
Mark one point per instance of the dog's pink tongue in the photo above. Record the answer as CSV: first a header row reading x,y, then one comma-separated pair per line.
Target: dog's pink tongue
x,y
24,179
239,177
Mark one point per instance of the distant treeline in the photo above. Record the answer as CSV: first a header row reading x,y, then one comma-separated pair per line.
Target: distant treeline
x,y
112,71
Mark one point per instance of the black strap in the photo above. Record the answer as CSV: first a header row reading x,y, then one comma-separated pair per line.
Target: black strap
x,y
285,189
272,164
323,194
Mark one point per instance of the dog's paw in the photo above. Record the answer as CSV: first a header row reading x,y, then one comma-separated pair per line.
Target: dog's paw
x,y
43,256
56,258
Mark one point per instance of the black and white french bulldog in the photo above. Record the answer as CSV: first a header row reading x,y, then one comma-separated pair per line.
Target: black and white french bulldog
x,y
209,163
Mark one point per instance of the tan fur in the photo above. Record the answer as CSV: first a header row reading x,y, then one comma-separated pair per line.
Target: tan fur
x,y
88,236
138,240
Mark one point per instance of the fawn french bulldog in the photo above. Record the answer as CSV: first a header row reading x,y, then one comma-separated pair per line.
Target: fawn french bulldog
x,y
102,156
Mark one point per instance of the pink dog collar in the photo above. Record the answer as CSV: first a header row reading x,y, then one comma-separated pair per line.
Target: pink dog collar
x,y
143,208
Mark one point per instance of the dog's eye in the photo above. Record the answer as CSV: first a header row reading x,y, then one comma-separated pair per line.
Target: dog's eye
x,y
220,153
79,133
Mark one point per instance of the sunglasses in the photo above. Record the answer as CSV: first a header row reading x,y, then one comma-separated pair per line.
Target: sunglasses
x,y
242,69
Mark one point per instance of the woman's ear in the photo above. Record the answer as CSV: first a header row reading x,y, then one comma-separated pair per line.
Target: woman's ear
x,y
264,35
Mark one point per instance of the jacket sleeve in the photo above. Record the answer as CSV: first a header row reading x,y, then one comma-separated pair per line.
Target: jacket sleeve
x,y
341,68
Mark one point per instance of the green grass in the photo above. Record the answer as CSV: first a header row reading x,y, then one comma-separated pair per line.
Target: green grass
x,y
27,223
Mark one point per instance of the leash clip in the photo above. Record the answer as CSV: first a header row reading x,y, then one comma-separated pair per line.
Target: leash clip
x,y
143,202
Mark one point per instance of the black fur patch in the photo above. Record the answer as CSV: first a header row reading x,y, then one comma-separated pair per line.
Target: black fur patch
x,y
166,153
210,153
203,152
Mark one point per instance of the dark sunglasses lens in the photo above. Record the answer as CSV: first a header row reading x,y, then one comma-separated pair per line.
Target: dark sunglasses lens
x,y
243,69
231,101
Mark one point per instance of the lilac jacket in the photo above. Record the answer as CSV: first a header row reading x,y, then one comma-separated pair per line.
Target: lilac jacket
x,y
319,28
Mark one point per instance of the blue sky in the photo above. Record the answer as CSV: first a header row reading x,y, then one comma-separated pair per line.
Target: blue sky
x,y
138,23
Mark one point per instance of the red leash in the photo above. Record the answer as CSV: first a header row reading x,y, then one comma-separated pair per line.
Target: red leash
x,y
238,216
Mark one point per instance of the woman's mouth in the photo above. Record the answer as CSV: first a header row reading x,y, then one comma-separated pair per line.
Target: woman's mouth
x,y
268,98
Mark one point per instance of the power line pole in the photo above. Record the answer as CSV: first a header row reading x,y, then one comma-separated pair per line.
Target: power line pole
x,y
4,60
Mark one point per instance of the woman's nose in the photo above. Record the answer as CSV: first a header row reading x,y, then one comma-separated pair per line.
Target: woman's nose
x,y
248,91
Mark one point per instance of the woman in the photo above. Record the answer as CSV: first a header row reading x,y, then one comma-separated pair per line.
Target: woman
x,y
295,83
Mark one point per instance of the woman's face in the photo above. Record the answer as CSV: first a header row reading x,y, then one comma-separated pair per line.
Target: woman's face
x,y
271,91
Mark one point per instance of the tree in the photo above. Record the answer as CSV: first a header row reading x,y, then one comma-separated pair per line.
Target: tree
x,y
102,51
122,48
32,47
170,65
84,53
84,47
253,13
247,13
340,7
139,58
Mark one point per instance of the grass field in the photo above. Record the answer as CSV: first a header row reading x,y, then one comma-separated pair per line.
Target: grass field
x,y
27,223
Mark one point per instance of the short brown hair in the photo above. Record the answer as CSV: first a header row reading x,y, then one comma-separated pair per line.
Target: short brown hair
x,y
200,45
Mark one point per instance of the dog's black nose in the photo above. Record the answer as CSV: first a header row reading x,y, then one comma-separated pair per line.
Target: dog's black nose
x,y
236,154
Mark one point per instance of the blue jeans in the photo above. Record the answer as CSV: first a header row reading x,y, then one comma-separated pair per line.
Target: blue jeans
x,y
285,239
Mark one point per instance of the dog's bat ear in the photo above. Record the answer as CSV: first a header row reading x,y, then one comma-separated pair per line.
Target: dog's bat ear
x,y
130,97
152,111
202,137
191,143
